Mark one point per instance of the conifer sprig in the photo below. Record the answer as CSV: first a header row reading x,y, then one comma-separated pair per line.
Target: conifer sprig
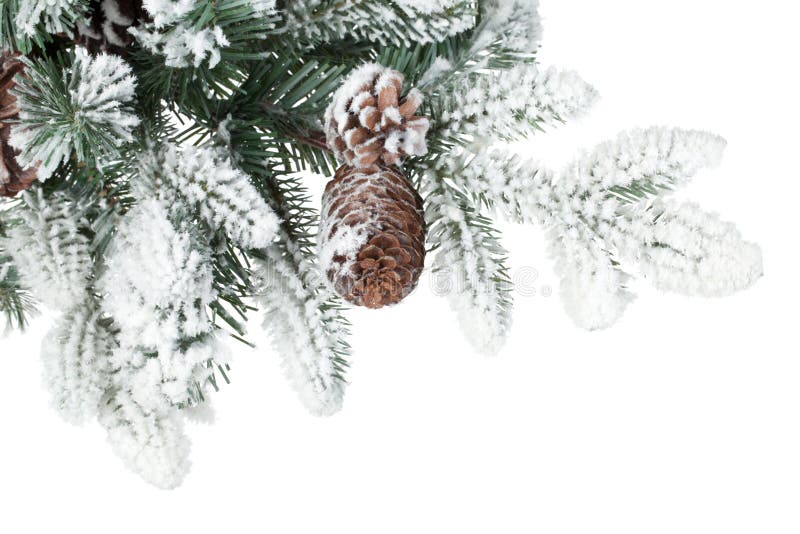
x,y
174,205
74,104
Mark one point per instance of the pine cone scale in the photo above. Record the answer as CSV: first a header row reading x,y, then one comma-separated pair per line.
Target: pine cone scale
x,y
13,178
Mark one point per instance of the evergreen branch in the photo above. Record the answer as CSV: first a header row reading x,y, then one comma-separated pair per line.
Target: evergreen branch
x,y
205,181
642,164
9,38
682,249
157,288
395,22
304,320
593,287
315,139
470,262
86,111
50,248
511,104
52,16
305,324
206,32
16,303
152,443
507,34
519,190
76,357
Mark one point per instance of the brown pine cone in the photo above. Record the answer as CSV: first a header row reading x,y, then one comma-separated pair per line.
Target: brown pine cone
x,y
367,122
13,178
106,29
372,235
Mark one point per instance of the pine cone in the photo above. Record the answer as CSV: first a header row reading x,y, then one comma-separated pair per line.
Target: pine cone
x,y
372,235
13,178
106,30
368,123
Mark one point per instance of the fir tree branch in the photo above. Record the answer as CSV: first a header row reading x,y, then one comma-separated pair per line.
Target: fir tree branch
x,y
683,249
642,164
511,104
470,263
50,248
16,303
303,318
73,103
76,356
152,443
398,22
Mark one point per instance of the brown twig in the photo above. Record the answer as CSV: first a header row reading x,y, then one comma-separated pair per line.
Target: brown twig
x,y
314,138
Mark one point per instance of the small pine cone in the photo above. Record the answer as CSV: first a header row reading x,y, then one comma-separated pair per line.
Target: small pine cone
x,y
372,235
367,122
106,29
13,178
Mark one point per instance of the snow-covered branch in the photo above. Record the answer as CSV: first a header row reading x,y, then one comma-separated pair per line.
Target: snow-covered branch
x,y
76,355
204,179
195,32
157,287
681,248
470,265
592,285
600,211
50,250
520,190
152,443
379,21
305,326
513,103
57,16
641,163
89,111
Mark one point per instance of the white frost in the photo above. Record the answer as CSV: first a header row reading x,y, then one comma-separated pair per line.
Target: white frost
x,y
50,250
101,89
204,178
55,15
511,103
76,356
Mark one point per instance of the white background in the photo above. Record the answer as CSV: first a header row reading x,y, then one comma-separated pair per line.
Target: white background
x,y
684,417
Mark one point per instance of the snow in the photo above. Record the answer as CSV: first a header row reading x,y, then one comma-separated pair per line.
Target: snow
x,y
140,375
49,249
345,240
157,286
183,45
205,179
56,15
396,136
663,155
676,246
379,22
688,251
512,103
75,356
516,24
306,334
166,12
152,444
592,288
101,90
470,264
